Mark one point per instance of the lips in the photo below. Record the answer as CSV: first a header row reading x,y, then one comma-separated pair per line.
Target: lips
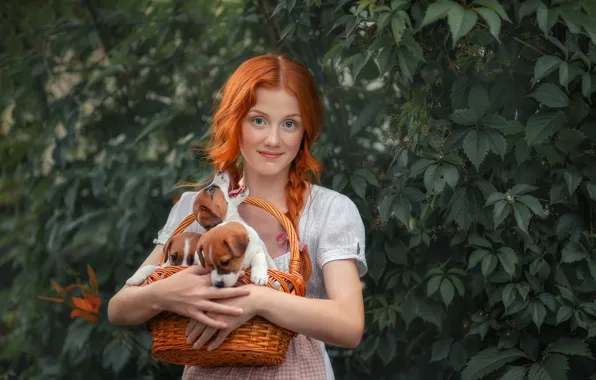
x,y
270,154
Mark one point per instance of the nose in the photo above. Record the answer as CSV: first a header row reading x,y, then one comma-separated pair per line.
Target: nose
x,y
272,139
219,284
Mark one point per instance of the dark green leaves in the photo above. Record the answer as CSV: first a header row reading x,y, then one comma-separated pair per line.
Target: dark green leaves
x,y
542,125
550,95
489,361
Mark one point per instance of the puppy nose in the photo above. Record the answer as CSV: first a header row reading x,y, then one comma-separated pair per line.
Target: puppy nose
x,y
219,284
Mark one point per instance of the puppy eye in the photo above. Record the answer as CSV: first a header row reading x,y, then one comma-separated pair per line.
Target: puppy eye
x,y
225,263
191,260
174,256
211,190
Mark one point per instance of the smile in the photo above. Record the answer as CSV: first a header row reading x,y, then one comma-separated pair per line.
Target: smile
x,y
270,155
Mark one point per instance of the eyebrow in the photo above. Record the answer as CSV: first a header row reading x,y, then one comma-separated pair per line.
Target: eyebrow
x,y
265,113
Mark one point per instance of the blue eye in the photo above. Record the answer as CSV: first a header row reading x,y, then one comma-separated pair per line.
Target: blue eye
x,y
258,121
289,124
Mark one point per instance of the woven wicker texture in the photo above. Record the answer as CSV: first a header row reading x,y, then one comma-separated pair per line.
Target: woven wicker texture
x,y
258,342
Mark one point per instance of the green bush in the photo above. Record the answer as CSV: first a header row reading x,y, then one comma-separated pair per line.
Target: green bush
x,y
463,130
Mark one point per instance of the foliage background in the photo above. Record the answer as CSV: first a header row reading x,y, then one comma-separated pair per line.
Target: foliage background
x,y
463,130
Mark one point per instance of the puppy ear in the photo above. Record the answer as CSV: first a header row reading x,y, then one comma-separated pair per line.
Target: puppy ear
x,y
167,248
199,251
237,243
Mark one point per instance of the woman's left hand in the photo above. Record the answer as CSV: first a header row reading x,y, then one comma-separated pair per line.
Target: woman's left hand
x,y
198,334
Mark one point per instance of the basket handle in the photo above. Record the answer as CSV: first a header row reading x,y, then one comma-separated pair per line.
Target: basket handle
x,y
295,261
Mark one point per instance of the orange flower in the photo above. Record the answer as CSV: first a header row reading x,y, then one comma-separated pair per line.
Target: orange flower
x,y
86,307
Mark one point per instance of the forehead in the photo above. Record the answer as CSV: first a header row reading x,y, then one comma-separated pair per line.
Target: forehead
x,y
275,102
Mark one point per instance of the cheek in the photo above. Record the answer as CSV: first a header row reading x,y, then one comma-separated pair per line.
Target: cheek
x,y
249,138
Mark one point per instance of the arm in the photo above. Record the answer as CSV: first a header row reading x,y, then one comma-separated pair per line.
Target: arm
x,y
338,320
134,305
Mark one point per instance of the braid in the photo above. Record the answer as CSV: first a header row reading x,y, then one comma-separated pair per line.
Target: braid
x,y
295,190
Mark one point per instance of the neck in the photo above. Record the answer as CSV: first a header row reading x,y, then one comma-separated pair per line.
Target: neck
x,y
269,189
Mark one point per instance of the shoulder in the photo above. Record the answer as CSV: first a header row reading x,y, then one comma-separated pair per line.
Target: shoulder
x,y
328,202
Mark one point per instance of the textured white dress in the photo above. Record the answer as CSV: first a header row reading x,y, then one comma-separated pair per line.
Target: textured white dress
x,y
331,227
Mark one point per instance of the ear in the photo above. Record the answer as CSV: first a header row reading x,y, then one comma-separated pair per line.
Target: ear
x,y
200,252
167,248
237,243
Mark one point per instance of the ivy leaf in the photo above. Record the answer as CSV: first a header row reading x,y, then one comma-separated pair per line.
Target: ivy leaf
x,y
500,212
543,124
508,259
551,96
569,347
573,179
441,349
538,372
522,188
359,185
461,22
497,143
478,100
433,285
568,224
340,180
460,211
476,146
545,65
447,291
368,175
515,373
489,264
508,295
378,262
557,366
464,116
563,314
573,252
488,361
402,210
492,20
386,348
538,312
533,204
436,11
522,216
494,6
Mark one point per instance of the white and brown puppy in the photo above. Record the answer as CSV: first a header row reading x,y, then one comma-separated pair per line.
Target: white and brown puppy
x,y
233,245
179,250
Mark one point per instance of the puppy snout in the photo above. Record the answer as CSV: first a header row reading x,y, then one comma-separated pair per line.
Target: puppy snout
x,y
219,284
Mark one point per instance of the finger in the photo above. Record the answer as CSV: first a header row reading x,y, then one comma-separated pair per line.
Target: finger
x,y
208,321
219,293
190,326
195,333
204,338
214,307
219,339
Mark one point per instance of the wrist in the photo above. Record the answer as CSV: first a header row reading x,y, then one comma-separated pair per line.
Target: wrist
x,y
259,298
154,296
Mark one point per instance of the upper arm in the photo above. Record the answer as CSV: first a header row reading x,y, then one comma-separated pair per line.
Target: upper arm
x,y
343,285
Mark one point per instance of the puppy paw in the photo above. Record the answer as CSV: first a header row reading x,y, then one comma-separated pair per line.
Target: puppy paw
x,y
259,278
136,280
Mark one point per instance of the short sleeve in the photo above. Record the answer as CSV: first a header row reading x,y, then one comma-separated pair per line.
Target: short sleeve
x,y
181,210
342,234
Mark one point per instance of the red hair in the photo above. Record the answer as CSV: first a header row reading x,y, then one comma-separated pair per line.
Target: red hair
x,y
238,95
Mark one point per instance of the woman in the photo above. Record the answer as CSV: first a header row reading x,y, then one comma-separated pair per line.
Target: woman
x,y
269,116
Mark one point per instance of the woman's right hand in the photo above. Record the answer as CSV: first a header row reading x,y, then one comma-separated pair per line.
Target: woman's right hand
x,y
190,293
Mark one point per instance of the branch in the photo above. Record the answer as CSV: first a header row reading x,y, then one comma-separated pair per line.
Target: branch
x,y
274,33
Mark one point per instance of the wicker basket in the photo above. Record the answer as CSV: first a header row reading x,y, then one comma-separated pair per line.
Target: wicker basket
x,y
258,342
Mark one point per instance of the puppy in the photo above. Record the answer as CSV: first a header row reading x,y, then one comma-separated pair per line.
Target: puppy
x,y
233,245
210,206
179,250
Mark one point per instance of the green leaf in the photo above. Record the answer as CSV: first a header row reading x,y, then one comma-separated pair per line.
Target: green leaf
x,y
461,22
527,7
508,295
398,26
522,188
563,314
460,211
447,291
476,240
359,185
464,116
522,216
368,175
568,224
489,264
500,212
494,6
538,312
377,264
493,21
476,257
366,117
508,259
459,285
488,361
532,203
420,166
545,65
497,143
433,285
557,366
569,347
573,179
340,180
538,372
476,146
441,349
543,124
550,95
384,206
386,348
436,11
515,373
494,198
402,210
478,100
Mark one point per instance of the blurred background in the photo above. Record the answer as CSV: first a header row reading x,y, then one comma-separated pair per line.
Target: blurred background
x,y
463,130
